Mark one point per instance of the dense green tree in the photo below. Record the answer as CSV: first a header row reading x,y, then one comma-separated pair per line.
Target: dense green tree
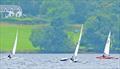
x,y
31,7
98,25
52,39
52,9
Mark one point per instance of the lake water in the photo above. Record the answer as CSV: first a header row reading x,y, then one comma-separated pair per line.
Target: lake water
x,y
52,61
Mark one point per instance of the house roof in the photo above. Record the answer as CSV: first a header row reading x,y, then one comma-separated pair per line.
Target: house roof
x,y
10,7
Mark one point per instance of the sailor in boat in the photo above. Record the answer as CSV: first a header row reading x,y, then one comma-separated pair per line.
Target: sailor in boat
x,y
9,56
72,58
103,56
106,56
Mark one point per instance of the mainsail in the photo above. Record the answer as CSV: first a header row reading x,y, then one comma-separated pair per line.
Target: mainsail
x,y
107,46
15,44
77,47
73,58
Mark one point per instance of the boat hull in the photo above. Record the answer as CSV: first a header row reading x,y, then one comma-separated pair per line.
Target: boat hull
x,y
106,57
64,59
68,59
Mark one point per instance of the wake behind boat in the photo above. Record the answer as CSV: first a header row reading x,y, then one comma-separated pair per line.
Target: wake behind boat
x,y
74,57
106,54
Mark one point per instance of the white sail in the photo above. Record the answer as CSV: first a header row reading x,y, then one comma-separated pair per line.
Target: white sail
x,y
77,47
107,46
73,58
15,44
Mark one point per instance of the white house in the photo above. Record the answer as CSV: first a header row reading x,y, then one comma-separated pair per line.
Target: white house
x,y
10,11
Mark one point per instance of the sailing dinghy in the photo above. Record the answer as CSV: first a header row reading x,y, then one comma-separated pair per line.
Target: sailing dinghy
x,y
106,54
74,57
14,47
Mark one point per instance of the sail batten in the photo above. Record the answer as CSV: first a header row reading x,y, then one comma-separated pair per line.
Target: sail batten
x,y
15,44
107,46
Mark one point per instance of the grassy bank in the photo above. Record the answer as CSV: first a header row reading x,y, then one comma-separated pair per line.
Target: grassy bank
x,y
7,37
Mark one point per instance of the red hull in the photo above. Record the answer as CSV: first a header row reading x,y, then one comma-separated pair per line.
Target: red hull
x,y
106,57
